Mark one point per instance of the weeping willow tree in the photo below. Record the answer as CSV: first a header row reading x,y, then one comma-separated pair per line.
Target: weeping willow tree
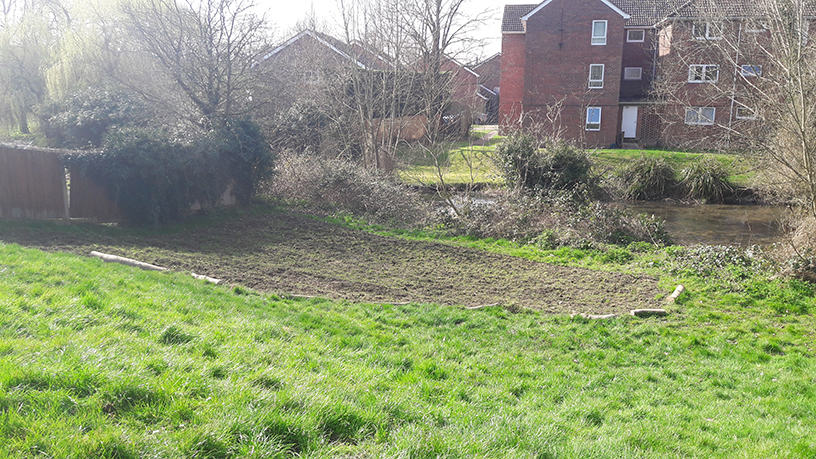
x,y
26,40
88,49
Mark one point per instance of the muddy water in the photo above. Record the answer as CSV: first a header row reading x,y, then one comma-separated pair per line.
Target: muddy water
x,y
741,225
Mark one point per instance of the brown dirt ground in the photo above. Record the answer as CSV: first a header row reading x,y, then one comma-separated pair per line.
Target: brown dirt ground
x,y
292,254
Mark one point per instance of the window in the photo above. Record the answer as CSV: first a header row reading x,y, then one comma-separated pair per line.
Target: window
x,y
703,73
598,32
706,31
593,119
745,113
751,70
635,35
596,74
700,115
632,73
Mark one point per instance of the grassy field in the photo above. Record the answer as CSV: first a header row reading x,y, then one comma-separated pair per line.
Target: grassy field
x,y
102,360
466,163
463,164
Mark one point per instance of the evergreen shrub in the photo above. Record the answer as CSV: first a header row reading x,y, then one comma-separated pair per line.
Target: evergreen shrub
x,y
154,177
543,165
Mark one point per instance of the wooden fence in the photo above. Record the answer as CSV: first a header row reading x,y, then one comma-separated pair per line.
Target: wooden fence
x,y
32,184
89,200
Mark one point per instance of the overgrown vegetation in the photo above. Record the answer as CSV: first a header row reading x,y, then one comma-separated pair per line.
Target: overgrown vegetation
x,y
556,219
85,117
154,177
648,178
706,180
549,164
330,185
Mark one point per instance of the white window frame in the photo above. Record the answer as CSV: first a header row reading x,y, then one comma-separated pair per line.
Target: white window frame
x,y
705,71
751,113
596,83
588,123
695,116
629,38
627,73
599,40
749,70
711,31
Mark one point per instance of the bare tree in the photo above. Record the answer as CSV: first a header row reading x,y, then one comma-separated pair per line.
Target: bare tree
x,y
204,50
747,79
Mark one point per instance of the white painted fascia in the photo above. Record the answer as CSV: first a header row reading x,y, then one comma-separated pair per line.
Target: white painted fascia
x,y
316,37
547,2
463,66
487,89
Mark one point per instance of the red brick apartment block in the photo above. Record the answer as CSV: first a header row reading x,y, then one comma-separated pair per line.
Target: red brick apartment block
x,y
609,72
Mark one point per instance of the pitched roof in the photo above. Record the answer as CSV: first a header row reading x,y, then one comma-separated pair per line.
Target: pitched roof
x,y
647,13
355,53
611,5
730,9
511,21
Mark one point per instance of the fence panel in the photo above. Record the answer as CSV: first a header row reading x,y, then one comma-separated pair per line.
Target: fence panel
x,y
89,200
32,184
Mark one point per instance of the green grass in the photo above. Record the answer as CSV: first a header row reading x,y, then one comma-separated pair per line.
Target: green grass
x,y
101,360
464,164
738,165
461,165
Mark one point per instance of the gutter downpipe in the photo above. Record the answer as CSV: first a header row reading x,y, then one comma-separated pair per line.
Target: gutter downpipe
x,y
737,68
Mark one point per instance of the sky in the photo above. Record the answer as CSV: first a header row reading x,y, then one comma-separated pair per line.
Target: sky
x,y
284,14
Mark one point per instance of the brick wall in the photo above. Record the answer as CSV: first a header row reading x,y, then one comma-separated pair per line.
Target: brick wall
x,y
511,80
638,55
558,55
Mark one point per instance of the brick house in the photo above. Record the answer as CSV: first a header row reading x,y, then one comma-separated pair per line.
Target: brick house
x,y
585,69
304,66
489,72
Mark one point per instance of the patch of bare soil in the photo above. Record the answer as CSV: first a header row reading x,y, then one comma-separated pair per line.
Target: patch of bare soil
x,y
295,254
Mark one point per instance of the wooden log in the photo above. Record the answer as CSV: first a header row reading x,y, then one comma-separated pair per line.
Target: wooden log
x,y
594,316
127,261
648,312
676,294
482,306
211,280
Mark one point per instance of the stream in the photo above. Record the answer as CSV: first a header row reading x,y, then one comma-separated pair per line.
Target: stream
x,y
715,224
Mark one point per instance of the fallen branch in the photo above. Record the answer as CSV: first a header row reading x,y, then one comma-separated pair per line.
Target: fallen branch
x,y
127,261
648,312
594,316
211,280
482,306
677,292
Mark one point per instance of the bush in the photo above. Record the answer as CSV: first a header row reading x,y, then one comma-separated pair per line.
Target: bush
x,y
706,180
154,178
248,155
648,179
335,185
301,128
83,118
556,219
550,165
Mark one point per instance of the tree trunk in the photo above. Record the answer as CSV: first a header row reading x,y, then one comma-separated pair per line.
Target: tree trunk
x,y
23,122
